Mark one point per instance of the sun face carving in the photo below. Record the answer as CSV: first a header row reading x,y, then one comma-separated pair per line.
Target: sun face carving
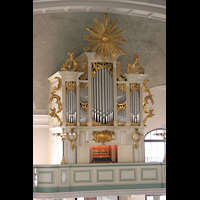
x,y
104,38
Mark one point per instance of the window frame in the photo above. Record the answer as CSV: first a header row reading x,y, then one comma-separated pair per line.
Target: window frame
x,y
153,140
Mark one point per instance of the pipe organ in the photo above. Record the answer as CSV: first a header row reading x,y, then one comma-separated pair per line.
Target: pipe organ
x,y
92,99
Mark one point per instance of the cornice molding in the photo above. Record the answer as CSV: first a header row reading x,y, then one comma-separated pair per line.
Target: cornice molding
x,y
151,191
136,8
40,121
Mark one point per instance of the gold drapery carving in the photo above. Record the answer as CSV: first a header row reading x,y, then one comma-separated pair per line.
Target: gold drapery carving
x,y
134,86
53,112
148,97
96,66
122,86
84,124
70,85
103,136
100,124
84,106
71,124
121,106
82,85
121,124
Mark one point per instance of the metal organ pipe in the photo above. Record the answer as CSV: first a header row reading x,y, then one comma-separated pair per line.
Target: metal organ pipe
x,y
100,94
106,97
103,98
102,102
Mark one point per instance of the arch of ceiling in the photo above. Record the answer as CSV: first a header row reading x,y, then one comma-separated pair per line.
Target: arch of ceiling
x,y
56,34
154,9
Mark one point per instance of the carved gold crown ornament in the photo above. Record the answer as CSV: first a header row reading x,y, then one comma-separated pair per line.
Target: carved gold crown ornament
x,y
104,38
103,136
131,69
53,112
148,97
68,65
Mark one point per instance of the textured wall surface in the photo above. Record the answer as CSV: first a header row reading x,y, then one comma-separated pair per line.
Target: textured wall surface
x,y
56,34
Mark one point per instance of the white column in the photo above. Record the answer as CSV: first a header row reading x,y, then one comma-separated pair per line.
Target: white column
x,y
63,103
89,92
128,103
115,92
82,138
78,103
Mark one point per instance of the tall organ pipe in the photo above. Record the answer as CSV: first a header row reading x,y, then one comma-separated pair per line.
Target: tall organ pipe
x,y
100,94
95,98
108,101
106,96
103,98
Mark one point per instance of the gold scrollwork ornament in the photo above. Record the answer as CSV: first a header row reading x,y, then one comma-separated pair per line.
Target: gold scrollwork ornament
x,y
103,136
148,97
53,112
136,146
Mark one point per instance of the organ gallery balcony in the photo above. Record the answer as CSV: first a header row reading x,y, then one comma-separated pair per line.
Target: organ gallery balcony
x,y
89,177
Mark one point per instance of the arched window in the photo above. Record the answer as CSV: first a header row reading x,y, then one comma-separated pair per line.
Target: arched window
x,y
154,146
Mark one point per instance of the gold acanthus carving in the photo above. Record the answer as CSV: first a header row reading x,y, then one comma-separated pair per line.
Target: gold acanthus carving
x,y
134,138
70,85
119,71
76,65
121,124
84,107
121,106
131,68
122,86
71,124
148,97
84,124
134,124
100,124
82,85
85,70
134,86
53,112
103,136
96,66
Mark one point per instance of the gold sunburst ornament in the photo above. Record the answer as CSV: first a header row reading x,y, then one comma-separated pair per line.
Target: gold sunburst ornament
x,y
104,38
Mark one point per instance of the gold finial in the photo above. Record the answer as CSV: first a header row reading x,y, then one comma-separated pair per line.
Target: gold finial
x,y
104,38
132,69
76,65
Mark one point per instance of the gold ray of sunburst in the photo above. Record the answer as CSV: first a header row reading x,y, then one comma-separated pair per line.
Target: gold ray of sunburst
x,y
105,39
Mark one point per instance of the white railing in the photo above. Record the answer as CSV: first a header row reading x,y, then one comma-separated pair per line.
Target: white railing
x,y
88,177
